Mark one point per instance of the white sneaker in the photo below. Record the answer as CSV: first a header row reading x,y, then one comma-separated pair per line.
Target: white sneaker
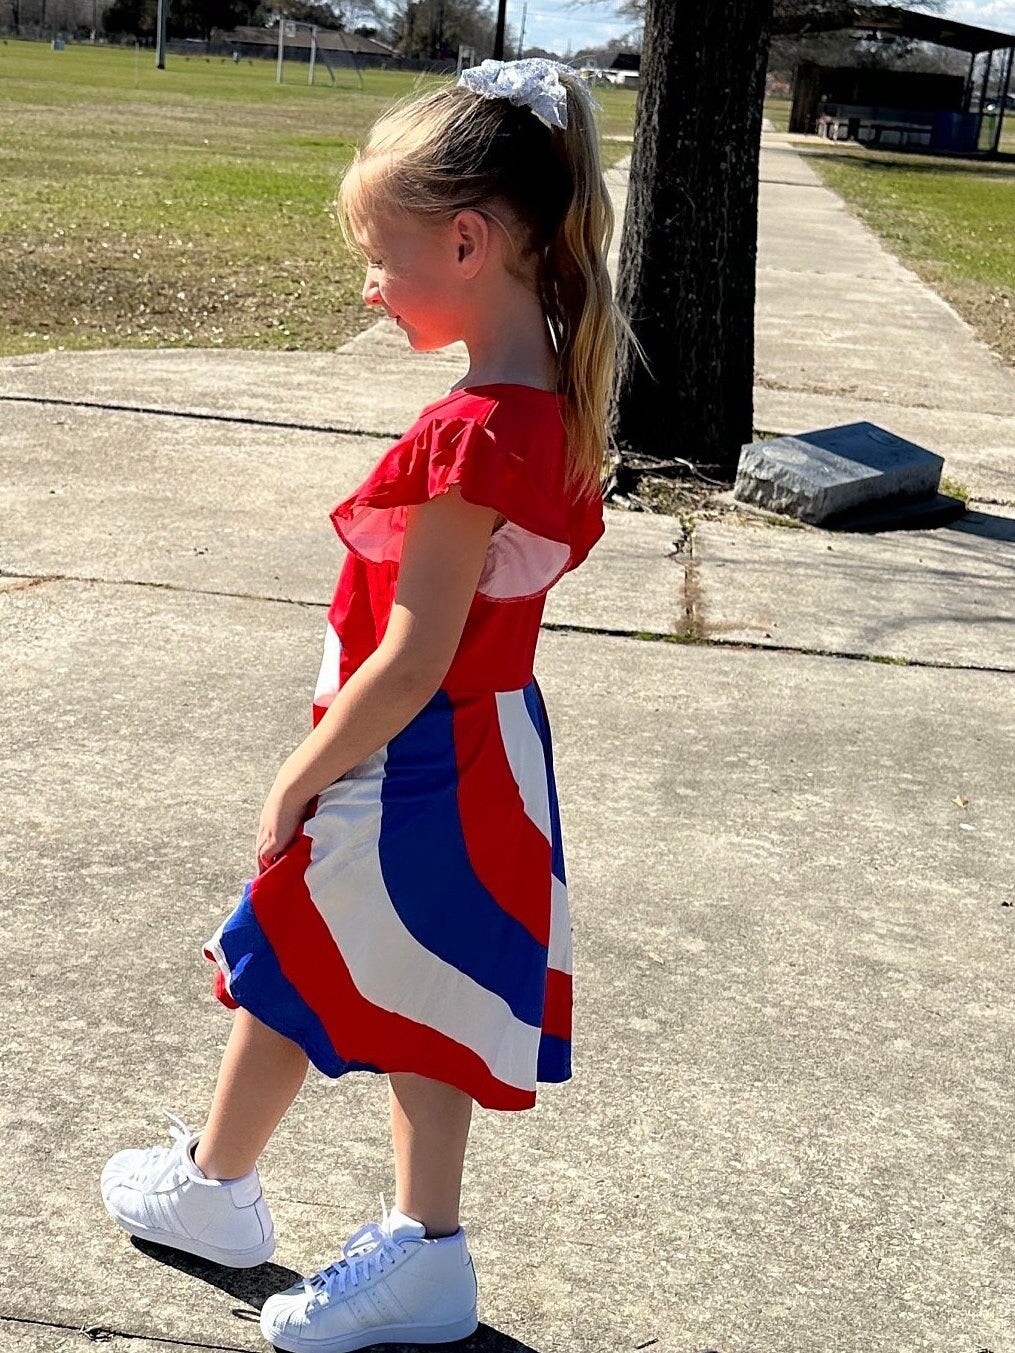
x,y
160,1195
391,1286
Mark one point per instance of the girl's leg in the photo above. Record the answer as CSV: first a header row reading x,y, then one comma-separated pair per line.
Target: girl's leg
x,y
260,1076
429,1128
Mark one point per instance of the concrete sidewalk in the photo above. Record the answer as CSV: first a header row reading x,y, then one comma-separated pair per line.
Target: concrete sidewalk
x,y
789,1128
846,333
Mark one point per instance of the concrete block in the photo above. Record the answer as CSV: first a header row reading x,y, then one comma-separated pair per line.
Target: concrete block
x,y
822,475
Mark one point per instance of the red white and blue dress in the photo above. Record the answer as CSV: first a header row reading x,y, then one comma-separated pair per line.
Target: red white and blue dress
x,y
419,919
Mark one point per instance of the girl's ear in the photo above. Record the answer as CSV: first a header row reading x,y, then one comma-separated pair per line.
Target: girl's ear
x,y
471,241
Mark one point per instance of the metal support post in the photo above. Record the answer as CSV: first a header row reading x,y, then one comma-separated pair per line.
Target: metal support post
x,y
160,37
983,97
1002,101
967,97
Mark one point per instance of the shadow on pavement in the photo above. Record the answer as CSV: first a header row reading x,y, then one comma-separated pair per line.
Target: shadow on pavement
x,y
985,524
931,162
254,1285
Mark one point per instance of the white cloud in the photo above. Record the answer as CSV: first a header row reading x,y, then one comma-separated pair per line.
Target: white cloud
x,y
566,27
997,14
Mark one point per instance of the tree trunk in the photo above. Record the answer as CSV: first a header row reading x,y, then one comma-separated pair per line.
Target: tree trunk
x,y
689,242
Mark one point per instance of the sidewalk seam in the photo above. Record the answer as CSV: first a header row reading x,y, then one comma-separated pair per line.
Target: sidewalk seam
x,y
104,1333
247,420
693,636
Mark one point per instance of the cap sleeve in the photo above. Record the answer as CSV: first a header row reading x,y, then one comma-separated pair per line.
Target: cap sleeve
x,y
542,537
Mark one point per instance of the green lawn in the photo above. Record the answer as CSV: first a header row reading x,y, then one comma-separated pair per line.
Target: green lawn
x,y
190,206
777,112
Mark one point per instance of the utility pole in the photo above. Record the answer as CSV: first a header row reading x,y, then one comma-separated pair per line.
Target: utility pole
x,y
521,35
160,35
498,41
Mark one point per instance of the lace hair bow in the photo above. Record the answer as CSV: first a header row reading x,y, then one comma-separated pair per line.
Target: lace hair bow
x,y
532,83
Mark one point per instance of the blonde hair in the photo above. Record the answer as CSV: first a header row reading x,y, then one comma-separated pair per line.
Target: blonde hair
x,y
454,150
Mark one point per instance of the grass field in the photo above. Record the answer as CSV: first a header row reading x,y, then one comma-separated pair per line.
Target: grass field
x,y
190,206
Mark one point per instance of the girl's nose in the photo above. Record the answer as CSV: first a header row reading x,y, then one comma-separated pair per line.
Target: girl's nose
x,y
371,293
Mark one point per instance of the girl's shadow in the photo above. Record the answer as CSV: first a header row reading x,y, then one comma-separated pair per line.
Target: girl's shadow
x,y
252,1286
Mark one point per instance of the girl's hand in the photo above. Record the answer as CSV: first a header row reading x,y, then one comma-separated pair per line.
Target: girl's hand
x,y
280,817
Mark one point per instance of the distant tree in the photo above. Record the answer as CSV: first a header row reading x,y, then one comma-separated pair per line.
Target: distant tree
x,y
323,15
820,31
132,18
197,18
359,14
431,28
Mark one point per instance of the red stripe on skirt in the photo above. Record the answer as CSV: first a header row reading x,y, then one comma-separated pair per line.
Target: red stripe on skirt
x,y
557,1006
509,854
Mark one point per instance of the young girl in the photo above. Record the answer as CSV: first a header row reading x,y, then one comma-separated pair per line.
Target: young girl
x,y
409,910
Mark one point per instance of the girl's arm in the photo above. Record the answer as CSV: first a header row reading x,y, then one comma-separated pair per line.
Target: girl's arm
x,y
442,557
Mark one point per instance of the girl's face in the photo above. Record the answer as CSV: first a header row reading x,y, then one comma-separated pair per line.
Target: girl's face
x,y
414,274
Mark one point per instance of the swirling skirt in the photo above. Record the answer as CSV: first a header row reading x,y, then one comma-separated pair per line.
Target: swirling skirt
x,y
419,921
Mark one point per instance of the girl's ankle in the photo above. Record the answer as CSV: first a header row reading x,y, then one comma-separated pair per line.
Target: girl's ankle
x,y
207,1166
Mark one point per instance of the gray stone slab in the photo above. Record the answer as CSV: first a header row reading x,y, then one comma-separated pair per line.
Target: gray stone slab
x,y
794,1034
979,449
824,473
945,595
227,507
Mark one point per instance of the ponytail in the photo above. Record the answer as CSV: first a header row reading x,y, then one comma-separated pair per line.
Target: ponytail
x,y
577,295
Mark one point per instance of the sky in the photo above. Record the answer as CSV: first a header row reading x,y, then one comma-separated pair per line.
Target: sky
x,y
562,26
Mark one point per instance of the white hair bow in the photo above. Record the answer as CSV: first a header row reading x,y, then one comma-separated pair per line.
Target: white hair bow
x,y
532,83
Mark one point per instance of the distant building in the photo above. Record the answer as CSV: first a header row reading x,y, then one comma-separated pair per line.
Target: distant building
x,y
625,70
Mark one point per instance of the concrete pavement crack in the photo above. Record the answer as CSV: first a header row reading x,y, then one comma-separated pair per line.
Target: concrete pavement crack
x,y
23,583
244,420
693,619
145,582
105,1333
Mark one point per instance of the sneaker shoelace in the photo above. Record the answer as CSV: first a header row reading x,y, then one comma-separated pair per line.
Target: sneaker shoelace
x,y
162,1160
363,1257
